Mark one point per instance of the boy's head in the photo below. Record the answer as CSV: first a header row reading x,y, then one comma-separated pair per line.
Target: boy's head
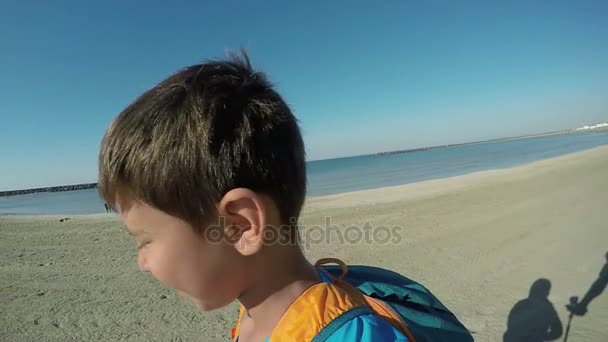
x,y
212,140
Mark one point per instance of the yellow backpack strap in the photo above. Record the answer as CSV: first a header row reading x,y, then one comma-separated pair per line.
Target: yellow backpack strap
x,y
318,306
234,332
377,305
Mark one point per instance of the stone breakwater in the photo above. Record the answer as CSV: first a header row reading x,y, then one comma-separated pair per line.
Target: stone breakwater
x,y
49,189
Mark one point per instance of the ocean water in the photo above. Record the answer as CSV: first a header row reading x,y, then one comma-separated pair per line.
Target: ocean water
x,y
362,172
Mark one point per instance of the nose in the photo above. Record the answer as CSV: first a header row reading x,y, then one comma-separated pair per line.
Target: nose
x,y
141,263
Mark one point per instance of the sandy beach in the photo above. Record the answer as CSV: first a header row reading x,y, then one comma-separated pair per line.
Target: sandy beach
x,y
478,242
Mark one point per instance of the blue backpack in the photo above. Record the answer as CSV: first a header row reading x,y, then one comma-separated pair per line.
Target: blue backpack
x,y
426,317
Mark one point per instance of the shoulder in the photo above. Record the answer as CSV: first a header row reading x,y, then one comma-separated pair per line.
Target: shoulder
x,y
367,328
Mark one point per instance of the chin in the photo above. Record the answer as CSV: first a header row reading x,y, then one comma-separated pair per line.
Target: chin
x,y
206,305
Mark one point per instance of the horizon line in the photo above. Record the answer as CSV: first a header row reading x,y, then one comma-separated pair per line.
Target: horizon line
x,y
379,153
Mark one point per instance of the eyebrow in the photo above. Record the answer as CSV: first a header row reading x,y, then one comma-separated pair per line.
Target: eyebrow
x,y
128,231
136,234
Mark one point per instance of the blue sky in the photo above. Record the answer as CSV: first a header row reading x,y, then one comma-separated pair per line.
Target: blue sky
x,y
362,77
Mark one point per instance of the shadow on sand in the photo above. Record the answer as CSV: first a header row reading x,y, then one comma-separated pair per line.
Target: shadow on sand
x,y
596,289
577,308
534,319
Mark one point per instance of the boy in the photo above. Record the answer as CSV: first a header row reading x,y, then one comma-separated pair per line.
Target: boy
x,y
207,172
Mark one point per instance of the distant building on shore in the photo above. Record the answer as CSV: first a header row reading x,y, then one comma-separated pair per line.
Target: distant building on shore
x,y
600,125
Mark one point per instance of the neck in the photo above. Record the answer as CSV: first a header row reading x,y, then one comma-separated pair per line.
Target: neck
x,y
282,275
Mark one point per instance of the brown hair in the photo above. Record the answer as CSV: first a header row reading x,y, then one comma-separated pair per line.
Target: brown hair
x,y
201,132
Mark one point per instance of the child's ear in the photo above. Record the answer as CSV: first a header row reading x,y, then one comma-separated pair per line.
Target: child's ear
x,y
245,217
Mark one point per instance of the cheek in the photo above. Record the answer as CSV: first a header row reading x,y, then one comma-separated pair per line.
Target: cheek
x,y
216,282
182,264
208,274
155,260
168,261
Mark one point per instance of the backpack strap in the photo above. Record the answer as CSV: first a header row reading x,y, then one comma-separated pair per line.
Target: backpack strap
x,y
339,321
312,320
234,332
339,262
314,310
383,309
376,305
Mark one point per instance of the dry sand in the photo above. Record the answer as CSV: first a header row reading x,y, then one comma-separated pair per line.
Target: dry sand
x,y
477,241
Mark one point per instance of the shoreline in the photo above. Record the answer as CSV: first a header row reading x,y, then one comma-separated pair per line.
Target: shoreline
x,y
93,185
416,186
467,177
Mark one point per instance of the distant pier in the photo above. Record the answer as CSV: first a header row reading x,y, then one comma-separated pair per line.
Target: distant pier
x,y
49,189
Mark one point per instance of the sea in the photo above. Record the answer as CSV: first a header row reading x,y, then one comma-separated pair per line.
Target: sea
x,y
339,175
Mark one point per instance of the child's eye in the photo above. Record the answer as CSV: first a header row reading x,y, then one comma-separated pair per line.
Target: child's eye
x,y
142,244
